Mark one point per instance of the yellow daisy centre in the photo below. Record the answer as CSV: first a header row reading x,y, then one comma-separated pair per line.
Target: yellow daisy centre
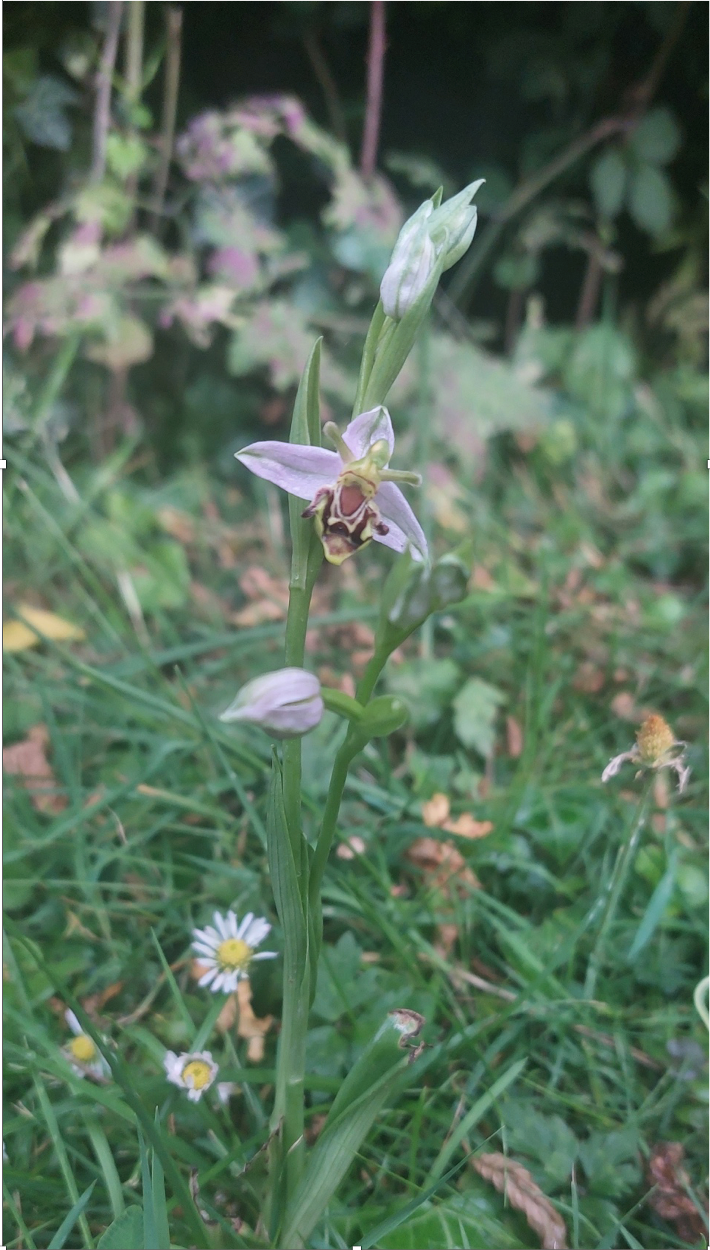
x,y
82,1048
197,1073
234,954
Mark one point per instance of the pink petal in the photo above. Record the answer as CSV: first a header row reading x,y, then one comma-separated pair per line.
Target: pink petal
x,y
404,527
300,470
368,428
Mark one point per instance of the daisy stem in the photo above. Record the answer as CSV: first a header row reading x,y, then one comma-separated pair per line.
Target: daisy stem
x,y
624,862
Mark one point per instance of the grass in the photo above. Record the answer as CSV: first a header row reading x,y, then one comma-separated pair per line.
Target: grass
x,y
585,606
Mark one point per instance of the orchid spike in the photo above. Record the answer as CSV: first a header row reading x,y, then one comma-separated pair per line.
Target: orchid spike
x,y
352,494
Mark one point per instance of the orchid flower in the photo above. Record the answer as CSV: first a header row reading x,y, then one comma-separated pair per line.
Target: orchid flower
x,y
352,494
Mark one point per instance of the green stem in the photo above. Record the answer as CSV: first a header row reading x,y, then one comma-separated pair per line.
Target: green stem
x,y
344,758
296,991
338,777
619,877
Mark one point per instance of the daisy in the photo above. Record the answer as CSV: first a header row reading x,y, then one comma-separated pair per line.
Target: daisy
x,y
227,950
352,494
194,1071
82,1053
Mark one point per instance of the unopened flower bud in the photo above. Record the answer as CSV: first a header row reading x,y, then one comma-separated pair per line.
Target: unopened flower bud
x,y
286,703
457,219
422,239
410,268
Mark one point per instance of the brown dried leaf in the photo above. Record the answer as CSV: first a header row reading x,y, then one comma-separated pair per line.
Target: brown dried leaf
x,y
589,679
28,761
514,735
441,862
670,1199
268,597
466,827
623,706
178,524
18,636
436,811
351,847
435,814
250,1027
523,1194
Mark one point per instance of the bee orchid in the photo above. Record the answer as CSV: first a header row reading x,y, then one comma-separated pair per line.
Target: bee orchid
x,y
351,492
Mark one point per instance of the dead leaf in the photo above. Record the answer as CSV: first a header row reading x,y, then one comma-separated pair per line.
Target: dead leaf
x,y
28,761
670,1198
523,1194
447,935
623,706
17,636
250,1027
466,827
93,1003
435,814
436,811
178,524
351,847
588,679
514,735
481,579
440,862
268,598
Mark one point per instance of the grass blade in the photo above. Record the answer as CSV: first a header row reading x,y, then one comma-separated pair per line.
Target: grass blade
x,y
67,1224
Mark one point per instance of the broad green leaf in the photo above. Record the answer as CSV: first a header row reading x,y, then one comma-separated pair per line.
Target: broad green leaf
x,y
475,710
126,1233
466,1220
426,686
608,180
359,1100
650,199
657,137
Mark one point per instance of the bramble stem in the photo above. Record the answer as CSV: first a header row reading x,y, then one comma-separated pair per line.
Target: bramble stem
x,y
624,862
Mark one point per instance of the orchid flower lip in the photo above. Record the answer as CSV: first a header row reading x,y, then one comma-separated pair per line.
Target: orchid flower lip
x,y
314,474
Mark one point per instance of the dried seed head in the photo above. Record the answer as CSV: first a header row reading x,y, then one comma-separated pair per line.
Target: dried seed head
x,y
655,738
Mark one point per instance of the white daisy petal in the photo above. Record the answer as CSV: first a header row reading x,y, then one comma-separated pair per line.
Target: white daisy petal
x,y
245,925
232,924
208,976
218,981
73,1022
256,932
221,924
264,955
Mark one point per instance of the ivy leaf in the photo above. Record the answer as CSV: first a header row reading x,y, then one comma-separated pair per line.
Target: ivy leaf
x,y
650,199
608,181
657,137
475,709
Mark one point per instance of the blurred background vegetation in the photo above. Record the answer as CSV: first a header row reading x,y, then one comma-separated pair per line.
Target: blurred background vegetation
x,y
186,209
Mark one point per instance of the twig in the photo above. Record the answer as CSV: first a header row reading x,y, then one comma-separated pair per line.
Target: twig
x,y
173,21
637,102
104,80
590,291
469,269
134,51
134,73
321,69
375,74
